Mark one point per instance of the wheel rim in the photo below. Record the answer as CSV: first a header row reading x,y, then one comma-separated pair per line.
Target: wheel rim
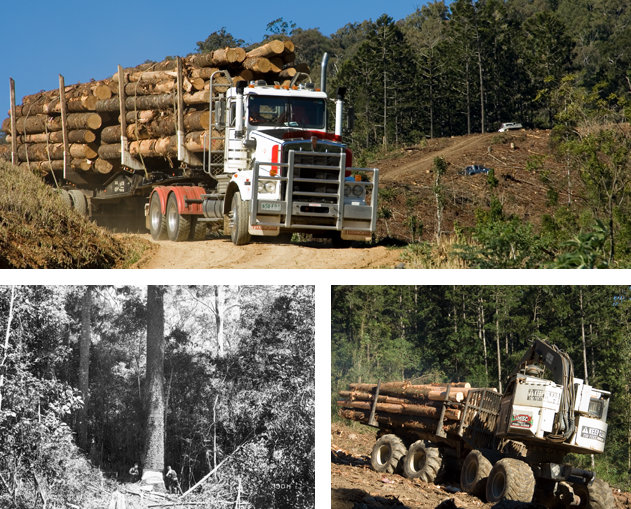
x,y
383,454
173,217
418,460
470,472
498,484
156,215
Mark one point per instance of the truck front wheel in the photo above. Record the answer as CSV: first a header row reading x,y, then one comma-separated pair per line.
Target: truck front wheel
x,y
239,219
387,453
423,461
157,220
597,495
475,472
510,479
178,225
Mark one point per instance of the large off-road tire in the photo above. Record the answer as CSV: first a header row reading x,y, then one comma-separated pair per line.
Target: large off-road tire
x,y
239,219
79,202
510,479
178,225
157,220
597,495
387,453
423,461
475,472
65,197
199,229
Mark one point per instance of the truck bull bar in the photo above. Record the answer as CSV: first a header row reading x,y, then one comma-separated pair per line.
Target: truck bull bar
x,y
310,197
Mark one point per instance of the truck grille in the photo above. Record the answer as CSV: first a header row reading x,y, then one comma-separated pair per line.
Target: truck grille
x,y
316,179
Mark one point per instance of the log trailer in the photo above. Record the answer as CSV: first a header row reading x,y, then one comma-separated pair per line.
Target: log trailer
x,y
265,163
508,446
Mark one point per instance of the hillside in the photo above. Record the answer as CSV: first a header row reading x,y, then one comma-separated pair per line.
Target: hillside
x,y
407,181
37,230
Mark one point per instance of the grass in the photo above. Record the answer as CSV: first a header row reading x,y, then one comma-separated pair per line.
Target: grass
x,y
37,230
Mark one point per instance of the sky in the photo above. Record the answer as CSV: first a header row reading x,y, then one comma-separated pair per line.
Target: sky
x,y
84,40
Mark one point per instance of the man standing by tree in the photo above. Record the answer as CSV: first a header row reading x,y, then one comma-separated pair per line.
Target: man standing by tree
x,y
154,437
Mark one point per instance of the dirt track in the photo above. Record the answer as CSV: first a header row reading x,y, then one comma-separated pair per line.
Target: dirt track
x,y
220,253
355,485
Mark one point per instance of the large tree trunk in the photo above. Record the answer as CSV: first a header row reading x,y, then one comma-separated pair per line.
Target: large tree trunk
x,y
84,364
153,461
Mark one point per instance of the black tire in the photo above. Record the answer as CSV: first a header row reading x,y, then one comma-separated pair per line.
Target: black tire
x,y
387,453
423,461
475,472
199,229
510,479
239,219
597,495
79,202
178,225
157,220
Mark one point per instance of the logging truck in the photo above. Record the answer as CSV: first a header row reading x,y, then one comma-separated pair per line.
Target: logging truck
x,y
508,446
190,143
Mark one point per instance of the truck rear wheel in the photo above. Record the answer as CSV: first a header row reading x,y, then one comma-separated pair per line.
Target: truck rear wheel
x,y
423,461
178,225
597,495
157,220
387,453
510,479
79,202
239,219
475,472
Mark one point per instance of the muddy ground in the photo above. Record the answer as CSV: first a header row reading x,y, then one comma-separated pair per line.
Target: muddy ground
x,y
354,485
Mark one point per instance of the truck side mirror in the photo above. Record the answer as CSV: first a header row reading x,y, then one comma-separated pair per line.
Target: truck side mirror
x,y
220,114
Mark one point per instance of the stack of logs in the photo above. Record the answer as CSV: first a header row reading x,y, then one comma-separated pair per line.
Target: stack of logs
x,y
403,405
93,121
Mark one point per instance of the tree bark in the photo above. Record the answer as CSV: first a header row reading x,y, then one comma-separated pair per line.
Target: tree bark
x,y
42,123
153,462
258,64
45,151
84,365
271,49
74,136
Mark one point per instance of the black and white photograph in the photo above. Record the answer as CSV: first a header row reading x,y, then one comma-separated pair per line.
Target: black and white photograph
x,y
157,396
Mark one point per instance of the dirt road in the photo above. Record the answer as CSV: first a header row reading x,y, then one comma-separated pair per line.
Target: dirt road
x,y
354,484
221,253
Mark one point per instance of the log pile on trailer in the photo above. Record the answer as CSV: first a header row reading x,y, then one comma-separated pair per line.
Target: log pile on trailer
x,y
79,126
404,405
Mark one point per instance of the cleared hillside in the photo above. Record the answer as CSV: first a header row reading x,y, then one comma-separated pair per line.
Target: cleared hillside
x,y
524,167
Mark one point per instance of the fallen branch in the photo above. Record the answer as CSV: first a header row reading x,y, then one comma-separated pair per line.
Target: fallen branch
x,y
177,503
205,478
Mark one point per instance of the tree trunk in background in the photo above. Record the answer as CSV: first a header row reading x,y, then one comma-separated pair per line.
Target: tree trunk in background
x,y
84,365
219,320
153,462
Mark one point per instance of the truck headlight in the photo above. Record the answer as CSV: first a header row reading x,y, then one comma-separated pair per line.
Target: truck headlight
x,y
267,187
358,190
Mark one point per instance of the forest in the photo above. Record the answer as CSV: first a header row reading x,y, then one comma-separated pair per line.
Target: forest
x,y
215,380
466,66
462,67
478,334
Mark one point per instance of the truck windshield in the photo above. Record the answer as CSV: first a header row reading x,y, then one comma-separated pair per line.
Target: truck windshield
x,y
286,111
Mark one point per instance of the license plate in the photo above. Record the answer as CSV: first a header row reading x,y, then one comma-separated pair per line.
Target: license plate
x,y
271,206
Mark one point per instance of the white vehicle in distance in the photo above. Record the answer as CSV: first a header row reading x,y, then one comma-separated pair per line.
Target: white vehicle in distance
x,y
509,126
